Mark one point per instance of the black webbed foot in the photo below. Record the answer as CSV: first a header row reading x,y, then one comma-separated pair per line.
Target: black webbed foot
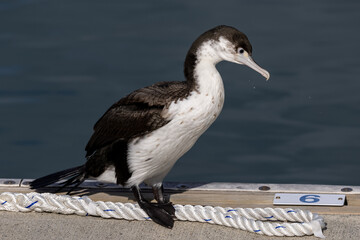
x,y
168,207
158,214
161,213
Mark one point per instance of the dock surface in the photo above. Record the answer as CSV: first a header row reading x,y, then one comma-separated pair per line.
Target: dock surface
x,y
342,222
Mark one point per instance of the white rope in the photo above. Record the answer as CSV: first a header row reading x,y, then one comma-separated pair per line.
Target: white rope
x,y
267,221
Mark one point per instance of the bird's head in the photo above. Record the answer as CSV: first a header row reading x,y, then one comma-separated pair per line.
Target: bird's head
x,y
225,43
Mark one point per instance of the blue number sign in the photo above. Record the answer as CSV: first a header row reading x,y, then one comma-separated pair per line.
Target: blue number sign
x,y
317,199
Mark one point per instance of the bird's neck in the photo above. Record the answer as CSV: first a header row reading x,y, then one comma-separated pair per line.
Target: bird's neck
x,y
208,96
199,66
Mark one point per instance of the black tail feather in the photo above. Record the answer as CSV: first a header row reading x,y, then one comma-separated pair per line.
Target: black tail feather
x,y
74,181
74,175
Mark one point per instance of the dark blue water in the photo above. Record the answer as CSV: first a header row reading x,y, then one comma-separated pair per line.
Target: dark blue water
x,y
63,63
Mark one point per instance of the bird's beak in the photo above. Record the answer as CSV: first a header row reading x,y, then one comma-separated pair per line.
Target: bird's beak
x,y
247,60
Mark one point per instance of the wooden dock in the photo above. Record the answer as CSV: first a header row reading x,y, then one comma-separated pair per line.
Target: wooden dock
x,y
343,222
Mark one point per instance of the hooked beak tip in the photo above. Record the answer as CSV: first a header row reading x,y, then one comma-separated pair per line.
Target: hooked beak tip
x,y
266,75
252,64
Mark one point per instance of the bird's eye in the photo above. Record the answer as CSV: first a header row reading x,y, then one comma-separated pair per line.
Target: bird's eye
x,y
241,50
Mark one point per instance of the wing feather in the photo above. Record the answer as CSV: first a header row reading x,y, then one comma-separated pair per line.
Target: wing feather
x,y
135,115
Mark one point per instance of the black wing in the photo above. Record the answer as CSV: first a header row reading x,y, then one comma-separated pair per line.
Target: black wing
x,y
136,114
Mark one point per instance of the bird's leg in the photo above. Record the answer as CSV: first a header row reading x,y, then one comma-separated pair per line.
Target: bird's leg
x,y
156,213
138,196
162,203
158,192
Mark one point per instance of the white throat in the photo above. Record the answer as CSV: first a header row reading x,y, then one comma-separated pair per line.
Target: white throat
x,y
207,77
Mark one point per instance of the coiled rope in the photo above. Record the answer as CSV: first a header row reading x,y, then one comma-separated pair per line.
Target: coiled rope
x,y
267,221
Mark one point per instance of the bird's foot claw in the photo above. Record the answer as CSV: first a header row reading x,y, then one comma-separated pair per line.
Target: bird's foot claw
x,y
161,214
168,207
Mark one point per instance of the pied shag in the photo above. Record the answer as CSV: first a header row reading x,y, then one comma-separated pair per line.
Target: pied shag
x,y
140,137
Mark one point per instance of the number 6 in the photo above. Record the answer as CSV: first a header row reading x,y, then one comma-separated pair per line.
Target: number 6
x,y
310,198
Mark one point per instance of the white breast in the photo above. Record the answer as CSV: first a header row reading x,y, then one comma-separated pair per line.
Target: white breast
x,y
152,156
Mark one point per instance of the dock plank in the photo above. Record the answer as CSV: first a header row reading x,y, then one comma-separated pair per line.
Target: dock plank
x,y
243,199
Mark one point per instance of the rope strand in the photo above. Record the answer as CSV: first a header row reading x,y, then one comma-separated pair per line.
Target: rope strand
x,y
266,221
